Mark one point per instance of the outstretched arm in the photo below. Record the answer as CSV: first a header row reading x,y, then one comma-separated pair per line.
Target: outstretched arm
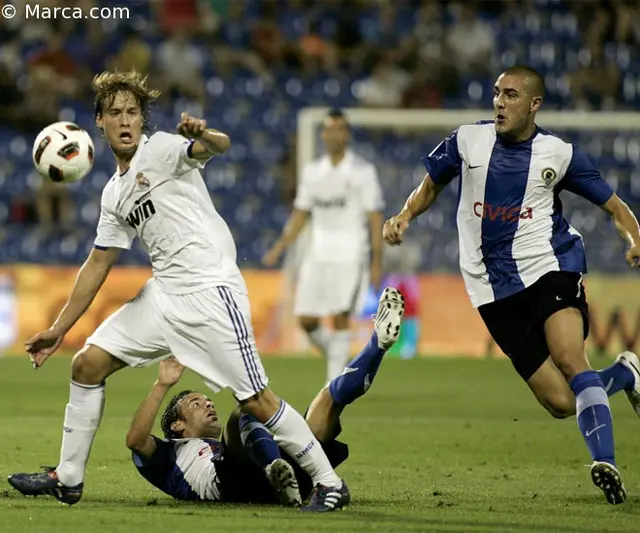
x,y
90,278
584,179
443,165
139,437
627,225
292,229
207,141
420,199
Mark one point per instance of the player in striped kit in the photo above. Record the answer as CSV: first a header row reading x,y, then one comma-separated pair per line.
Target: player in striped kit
x,y
200,459
522,262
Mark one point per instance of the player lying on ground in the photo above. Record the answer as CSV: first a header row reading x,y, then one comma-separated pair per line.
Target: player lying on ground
x,y
199,460
196,305
522,262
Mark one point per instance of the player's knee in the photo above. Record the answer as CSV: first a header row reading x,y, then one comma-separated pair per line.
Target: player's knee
x,y
262,405
571,362
341,321
91,365
308,323
560,406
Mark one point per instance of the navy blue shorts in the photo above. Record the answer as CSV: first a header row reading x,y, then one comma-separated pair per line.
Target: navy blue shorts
x,y
516,323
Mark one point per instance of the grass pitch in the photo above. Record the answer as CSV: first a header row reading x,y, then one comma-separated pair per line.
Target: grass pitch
x,y
437,445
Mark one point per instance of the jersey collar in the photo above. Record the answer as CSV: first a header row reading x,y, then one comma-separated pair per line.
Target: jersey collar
x,y
345,163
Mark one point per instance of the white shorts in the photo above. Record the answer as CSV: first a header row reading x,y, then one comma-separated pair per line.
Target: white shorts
x,y
329,288
209,332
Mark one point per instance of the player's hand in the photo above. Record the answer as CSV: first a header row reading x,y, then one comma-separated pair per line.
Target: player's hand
x,y
170,372
272,256
41,346
633,256
394,228
191,127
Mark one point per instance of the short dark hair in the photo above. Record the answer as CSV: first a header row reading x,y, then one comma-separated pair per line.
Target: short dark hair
x,y
525,70
171,414
337,113
107,85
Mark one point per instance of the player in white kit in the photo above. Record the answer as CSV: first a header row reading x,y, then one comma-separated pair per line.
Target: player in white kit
x,y
340,194
195,306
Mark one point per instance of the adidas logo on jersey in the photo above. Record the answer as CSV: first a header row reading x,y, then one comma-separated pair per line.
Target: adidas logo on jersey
x,y
142,212
506,214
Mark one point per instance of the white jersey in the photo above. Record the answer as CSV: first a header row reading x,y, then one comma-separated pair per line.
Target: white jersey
x,y
510,221
183,468
163,199
339,198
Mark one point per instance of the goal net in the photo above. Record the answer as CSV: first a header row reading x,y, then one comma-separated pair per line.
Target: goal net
x,y
395,140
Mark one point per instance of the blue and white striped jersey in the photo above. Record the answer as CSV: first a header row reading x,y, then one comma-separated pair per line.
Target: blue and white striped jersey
x,y
183,468
510,222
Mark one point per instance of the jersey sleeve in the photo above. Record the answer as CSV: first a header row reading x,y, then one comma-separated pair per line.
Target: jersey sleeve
x,y
175,150
373,200
304,200
112,232
157,468
444,163
584,179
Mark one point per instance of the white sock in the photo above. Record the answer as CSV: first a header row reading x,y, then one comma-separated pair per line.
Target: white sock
x,y
81,420
292,433
339,353
320,338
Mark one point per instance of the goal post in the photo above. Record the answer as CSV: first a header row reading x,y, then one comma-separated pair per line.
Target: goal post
x,y
614,135
424,119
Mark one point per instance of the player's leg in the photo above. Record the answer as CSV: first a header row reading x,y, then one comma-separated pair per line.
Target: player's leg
x,y
308,306
563,309
565,338
345,289
624,374
246,437
339,351
347,296
210,332
89,369
356,378
318,333
551,389
128,337
511,323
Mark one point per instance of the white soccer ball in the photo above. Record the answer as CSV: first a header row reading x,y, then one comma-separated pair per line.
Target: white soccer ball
x,y
63,152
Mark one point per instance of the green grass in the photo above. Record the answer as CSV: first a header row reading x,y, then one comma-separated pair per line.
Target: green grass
x,y
436,445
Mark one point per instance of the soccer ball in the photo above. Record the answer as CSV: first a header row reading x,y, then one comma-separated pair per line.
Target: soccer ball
x,y
63,152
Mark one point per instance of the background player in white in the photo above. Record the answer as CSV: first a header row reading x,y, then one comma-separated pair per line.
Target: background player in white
x,y
523,263
341,195
195,306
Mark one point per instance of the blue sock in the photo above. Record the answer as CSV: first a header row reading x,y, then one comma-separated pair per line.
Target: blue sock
x,y
594,415
257,441
359,374
616,377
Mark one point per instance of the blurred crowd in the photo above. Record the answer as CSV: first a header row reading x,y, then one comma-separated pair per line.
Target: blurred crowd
x,y
406,53
392,53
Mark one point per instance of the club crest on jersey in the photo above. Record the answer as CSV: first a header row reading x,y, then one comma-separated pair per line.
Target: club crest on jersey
x,y
549,176
142,181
